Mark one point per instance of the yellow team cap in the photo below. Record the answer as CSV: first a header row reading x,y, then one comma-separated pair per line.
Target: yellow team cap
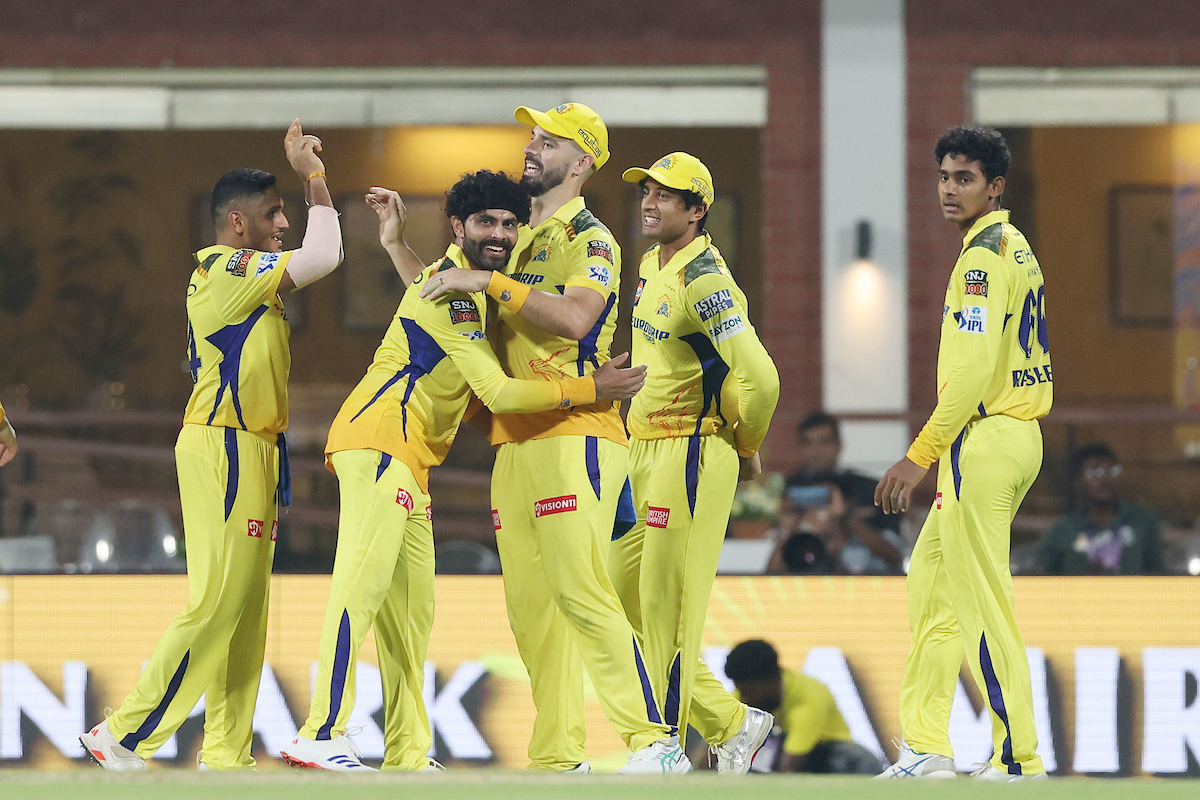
x,y
573,121
679,171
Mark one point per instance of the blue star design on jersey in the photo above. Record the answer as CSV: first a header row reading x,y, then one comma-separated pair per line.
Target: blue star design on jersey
x,y
230,340
423,356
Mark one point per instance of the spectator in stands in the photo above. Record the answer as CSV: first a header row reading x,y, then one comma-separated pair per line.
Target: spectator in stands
x,y
861,524
811,735
1103,534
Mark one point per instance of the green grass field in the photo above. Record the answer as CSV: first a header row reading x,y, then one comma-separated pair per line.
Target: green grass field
x,y
497,785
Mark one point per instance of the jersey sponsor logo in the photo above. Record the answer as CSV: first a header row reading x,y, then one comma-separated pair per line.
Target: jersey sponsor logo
x,y
403,498
429,513
657,517
637,294
463,311
237,263
600,275
528,278
1024,256
973,319
554,505
727,328
976,282
542,254
266,263
495,519
651,333
714,304
254,528
600,249
475,336
1031,377
274,530
937,502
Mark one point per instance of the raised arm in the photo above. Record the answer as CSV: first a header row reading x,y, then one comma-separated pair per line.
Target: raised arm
x,y
321,251
393,217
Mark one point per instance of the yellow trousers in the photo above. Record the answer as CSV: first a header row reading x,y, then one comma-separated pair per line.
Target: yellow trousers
x,y
554,503
664,569
382,575
960,595
215,647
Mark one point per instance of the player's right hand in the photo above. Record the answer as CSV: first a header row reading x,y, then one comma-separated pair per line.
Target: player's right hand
x,y
301,149
618,384
8,442
393,216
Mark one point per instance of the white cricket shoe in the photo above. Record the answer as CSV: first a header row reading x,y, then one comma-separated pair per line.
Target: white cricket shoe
x,y
104,748
583,769
661,758
912,764
988,772
337,754
734,756
432,767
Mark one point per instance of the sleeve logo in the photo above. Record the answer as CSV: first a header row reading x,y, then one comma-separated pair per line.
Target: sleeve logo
x,y
275,530
973,319
463,311
403,498
714,304
600,274
976,282
495,519
727,328
601,249
237,263
266,263
637,295
657,517
429,513
475,336
554,505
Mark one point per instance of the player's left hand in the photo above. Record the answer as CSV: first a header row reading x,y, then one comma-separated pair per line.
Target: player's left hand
x,y
750,468
456,280
8,442
895,487
393,216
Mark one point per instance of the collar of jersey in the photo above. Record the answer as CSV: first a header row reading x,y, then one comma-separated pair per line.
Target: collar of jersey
x,y
990,218
205,252
568,211
455,254
685,256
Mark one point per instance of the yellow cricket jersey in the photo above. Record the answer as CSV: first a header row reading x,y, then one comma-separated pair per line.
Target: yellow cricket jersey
x,y
571,248
2,414
237,346
707,369
994,355
433,356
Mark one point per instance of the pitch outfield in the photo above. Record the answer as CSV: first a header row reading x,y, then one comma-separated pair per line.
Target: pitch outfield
x,y
499,785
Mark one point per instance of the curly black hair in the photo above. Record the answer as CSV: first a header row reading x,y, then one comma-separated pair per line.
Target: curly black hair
x,y
984,145
478,191
236,185
753,660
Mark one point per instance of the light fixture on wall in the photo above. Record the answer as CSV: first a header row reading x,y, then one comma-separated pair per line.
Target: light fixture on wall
x,y
862,240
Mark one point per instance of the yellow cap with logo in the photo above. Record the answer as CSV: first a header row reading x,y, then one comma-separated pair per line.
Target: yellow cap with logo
x,y
573,121
682,172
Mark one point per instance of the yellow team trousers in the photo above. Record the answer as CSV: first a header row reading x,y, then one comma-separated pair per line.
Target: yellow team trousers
x,y
554,503
960,595
382,575
215,647
664,569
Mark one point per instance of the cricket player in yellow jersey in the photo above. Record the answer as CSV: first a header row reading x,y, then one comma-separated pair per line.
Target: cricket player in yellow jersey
x,y
711,389
397,423
994,383
8,439
559,474
232,464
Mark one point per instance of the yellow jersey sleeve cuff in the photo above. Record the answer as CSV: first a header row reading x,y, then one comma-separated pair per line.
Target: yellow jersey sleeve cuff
x,y
921,456
507,292
578,391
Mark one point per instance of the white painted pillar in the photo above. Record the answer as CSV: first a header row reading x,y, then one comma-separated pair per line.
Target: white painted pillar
x,y
863,178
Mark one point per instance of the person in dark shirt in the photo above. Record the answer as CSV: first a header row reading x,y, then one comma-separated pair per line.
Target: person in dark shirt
x,y
1103,534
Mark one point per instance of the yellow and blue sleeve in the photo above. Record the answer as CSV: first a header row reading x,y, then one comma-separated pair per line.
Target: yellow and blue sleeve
x,y
244,280
595,261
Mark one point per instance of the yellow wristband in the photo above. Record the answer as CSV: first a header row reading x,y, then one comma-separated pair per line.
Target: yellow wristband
x,y
578,391
315,175
507,292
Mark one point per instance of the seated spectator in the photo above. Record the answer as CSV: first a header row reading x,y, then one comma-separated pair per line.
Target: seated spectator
x,y
1103,534
810,734
820,449
821,532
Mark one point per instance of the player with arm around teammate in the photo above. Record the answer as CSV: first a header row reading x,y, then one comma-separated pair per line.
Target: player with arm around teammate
x,y
695,429
397,423
232,462
994,383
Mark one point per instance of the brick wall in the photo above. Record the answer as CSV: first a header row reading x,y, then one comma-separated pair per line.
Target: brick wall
x,y
783,35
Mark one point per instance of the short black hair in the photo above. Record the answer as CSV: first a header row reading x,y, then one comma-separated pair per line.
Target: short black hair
x,y
690,200
479,191
752,660
1087,452
235,185
820,419
984,145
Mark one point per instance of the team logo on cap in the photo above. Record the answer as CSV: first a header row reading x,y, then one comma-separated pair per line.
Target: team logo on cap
x,y
666,162
591,141
564,108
